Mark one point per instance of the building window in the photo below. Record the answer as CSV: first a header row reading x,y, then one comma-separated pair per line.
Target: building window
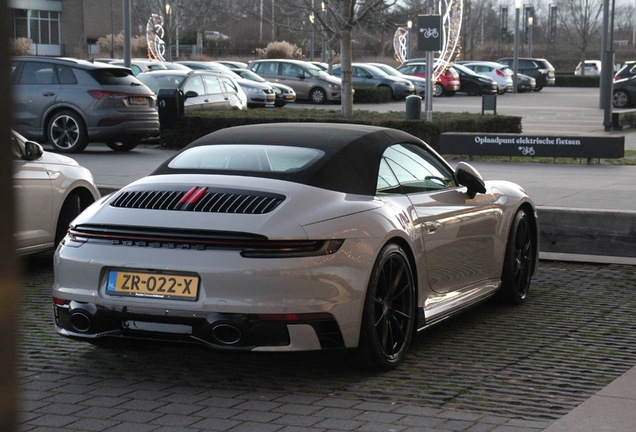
x,y
42,27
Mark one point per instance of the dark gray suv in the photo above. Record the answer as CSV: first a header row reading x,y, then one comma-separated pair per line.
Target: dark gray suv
x,y
70,103
538,68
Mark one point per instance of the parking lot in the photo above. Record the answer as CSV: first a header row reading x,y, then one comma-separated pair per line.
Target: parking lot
x,y
492,368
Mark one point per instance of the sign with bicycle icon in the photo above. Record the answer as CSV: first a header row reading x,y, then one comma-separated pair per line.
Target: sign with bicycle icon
x,y
429,32
507,144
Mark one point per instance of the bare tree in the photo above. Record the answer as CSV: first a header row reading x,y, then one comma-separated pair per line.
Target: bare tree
x,y
580,23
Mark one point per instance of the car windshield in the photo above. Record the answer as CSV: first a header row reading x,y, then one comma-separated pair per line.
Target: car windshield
x,y
248,74
246,157
315,71
388,70
375,71
465,70
155,82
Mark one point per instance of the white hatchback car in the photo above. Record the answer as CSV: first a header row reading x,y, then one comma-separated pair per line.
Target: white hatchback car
x,y
50,191
497,71
592,68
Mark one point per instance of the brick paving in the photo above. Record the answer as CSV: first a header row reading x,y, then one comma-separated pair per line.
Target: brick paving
x,y
493,368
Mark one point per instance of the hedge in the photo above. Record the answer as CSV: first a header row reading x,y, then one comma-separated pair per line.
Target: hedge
x,y
197,124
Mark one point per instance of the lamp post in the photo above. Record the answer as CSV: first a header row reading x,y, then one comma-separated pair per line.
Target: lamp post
x,y
168,30
312,19
530,20
515,61
323,8
409,25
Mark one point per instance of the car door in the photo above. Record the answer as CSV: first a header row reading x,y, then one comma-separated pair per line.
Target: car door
x,y
34,201
202,101
360,77
35,90
458,233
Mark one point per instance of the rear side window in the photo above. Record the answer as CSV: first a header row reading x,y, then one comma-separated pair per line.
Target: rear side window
x,y
118,76
269,68
213,85
65,74
38,73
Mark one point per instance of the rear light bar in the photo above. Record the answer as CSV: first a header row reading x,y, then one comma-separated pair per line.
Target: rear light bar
x,y
100,94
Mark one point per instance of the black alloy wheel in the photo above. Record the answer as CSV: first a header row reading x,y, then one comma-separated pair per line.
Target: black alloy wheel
x,y
389,311
519,260
67,133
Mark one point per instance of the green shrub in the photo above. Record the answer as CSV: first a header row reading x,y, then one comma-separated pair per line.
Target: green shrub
x,y
196,125
571,80
372,94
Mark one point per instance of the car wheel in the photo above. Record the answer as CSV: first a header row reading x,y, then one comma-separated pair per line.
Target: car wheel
x,y
389,311
438,90
449,93
67,133
71,208
521,250
621,99
472,89
538,88
318,96
125,145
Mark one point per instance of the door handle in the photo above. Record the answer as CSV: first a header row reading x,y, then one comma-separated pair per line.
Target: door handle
x,y
47,94
431,227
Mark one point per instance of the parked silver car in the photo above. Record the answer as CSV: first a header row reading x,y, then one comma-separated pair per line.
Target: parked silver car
x,y
202,89
307,80
258,94
50,191
73,102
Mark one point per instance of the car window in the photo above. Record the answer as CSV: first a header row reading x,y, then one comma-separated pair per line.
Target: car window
x,y
114,76
37,73
246,157
417,170
291,70
387,182
212,84
65,74
229,84
270,68
195,84
136,70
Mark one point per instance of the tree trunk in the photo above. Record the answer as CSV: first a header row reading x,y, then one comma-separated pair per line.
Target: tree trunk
x,y
345,71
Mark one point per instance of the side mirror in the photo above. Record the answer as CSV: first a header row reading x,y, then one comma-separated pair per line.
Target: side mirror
x,y
32,151
190,94
469,177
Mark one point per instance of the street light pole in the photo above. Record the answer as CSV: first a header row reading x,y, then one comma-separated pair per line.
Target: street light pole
x,y
515,61
530,20
168,30
409,25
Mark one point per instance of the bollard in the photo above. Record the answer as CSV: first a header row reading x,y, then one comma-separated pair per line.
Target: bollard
x,y
413,107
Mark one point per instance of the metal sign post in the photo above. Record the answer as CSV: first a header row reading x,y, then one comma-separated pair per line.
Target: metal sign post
x,y
429,39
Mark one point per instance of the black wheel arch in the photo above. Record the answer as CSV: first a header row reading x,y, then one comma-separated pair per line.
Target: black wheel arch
x,y
85,197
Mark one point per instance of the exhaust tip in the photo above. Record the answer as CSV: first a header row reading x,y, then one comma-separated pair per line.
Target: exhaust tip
x,y
80,322
227,334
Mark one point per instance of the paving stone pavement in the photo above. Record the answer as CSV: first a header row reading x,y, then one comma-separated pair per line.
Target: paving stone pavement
x,y
493,368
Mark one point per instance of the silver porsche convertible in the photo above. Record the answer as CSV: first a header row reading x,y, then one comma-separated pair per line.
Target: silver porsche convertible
x,y
299,236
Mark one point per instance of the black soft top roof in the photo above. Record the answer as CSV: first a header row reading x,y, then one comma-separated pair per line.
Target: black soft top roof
x,y
350,164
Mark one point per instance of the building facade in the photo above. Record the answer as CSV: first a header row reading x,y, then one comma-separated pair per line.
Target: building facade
x,y
65,27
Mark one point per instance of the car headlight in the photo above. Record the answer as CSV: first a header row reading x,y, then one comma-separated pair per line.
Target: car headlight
x,y
252,90
277,90
406,83
335,86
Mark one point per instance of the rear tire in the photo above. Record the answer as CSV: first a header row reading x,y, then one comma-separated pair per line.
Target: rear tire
x,y
67,133
519,261
389,311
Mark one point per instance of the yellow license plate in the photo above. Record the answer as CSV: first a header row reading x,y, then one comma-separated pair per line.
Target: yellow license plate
x,y
138,101
289,96
152,285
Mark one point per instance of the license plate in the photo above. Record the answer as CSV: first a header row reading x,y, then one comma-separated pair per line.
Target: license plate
x,y
289,96
138,101
152,285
